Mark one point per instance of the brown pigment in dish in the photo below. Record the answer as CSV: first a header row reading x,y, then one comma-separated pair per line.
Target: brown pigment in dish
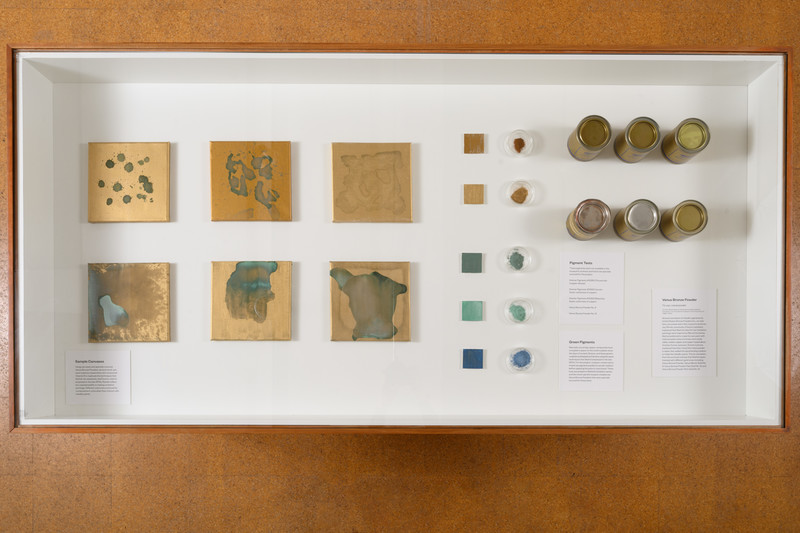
x,y
520,195
519,144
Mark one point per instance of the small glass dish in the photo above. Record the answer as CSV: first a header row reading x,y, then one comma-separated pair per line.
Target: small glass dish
x,y
519,143
519,310
521,193
517,259
520,360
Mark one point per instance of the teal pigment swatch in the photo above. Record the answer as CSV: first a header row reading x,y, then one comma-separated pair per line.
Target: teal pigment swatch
x,y
471,263
471,311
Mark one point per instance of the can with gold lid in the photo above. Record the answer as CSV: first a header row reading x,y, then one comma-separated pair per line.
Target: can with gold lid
x,y
687,140
637,220
588,219
639,139
684,220
589,138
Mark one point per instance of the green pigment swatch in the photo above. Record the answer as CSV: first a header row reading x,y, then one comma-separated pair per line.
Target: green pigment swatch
x,y
471,263
471,311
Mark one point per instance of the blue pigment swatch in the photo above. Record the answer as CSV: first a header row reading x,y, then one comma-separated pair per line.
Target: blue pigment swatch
x,y
521,358
472,358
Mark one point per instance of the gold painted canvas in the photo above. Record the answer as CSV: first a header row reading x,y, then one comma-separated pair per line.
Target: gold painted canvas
x,y
251,181
370,301
473,193
371,182
129,302
474,143
251,300
129,182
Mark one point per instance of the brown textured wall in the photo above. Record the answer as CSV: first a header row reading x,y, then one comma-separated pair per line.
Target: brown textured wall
x,y
189,482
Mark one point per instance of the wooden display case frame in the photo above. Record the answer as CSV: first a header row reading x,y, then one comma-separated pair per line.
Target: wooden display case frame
x,y
19,424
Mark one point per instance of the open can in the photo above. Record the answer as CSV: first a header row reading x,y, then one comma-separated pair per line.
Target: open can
x,y
684,220
637,220
638,140
588,219
589,138
687,140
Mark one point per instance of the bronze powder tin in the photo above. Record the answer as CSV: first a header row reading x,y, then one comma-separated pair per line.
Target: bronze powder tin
x,y
637,220
639,139
588,219
684,220
589,138
688,139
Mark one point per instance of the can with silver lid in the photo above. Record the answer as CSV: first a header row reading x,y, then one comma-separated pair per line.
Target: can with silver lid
x,y
637,220
687,140
588,219
684,220
589,138
639,139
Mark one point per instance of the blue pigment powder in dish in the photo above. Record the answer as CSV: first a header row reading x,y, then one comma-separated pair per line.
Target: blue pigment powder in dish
x,y
521,359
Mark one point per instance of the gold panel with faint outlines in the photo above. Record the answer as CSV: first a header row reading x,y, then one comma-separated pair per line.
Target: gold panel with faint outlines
x,y
371,182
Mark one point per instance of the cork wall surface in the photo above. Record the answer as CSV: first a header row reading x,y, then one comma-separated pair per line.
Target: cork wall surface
x,y
657,481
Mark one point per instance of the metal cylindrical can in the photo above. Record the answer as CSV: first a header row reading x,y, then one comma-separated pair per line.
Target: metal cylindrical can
x,y
637,220
589,138
684,220
588,219
688,139
638,140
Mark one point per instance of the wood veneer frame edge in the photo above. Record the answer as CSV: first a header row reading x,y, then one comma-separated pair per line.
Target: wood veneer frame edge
x,y
13,49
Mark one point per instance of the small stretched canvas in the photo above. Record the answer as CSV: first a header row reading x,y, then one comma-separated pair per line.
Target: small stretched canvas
x,y
251,181
129,302
371,182
129,182
251,300
369,301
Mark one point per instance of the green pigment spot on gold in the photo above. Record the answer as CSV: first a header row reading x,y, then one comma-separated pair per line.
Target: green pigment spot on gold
x,y
101,184
109,201
120,157
117,187
146,184
126,199
129,167
109,163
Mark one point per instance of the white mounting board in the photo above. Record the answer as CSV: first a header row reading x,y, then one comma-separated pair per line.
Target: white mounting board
x,y
68,99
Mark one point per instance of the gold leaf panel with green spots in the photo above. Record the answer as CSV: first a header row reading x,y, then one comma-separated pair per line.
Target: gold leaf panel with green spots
x,y
129,182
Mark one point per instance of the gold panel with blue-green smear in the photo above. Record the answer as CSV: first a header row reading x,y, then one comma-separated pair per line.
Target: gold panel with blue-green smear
x,y
370,301
129,302
251,180
251,300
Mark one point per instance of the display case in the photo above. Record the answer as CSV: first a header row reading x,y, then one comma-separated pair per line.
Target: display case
x,y
458,366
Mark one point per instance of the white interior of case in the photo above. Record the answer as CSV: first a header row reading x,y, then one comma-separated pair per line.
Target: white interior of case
x,y
68,99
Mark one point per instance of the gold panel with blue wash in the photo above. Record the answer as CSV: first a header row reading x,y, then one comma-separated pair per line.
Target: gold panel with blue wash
x,y
370,301
251,300
129,302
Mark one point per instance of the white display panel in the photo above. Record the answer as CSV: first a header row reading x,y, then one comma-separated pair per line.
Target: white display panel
x,y
66,100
